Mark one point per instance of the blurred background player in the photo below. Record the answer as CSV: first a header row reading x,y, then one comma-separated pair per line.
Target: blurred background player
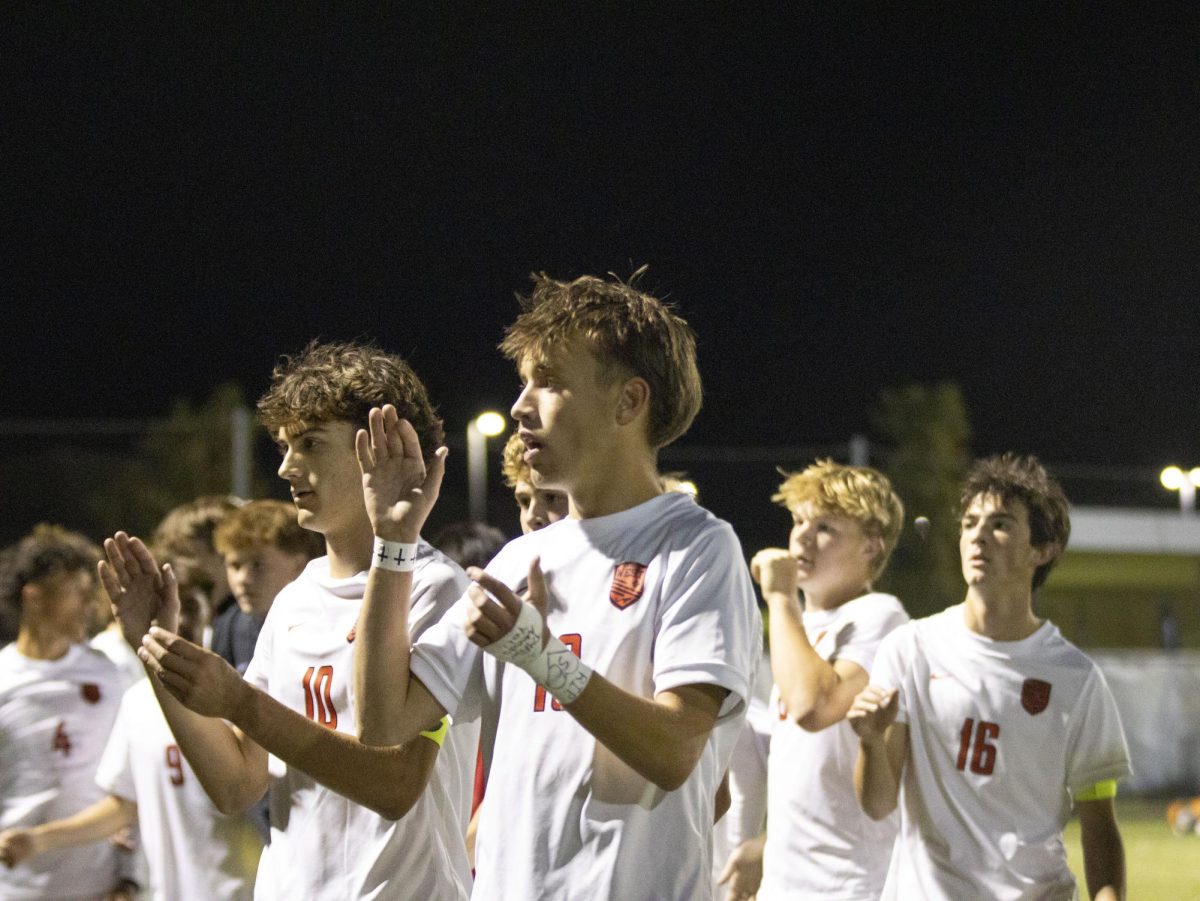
x,y
263,548
846,521
469,543
185,536
985,724
58,698
193,851
538,506
347,820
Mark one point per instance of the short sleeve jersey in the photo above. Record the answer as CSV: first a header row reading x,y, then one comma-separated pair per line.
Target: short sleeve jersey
x,y
324,846
194,852
55,717
820,843
653,598
1001,733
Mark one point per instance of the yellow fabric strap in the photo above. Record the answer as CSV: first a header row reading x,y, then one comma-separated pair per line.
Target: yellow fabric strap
x,y
1099,792
438,735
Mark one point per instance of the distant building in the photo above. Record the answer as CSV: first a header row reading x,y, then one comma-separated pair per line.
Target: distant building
x,y
1129,579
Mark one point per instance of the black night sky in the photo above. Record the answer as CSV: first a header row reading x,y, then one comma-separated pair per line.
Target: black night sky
x,y
840,197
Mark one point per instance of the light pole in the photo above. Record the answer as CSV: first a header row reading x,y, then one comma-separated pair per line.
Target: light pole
x,y
486,425
1175,479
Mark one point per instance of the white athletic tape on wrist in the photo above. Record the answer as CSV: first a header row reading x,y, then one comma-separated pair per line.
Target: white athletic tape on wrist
x,y
395,556
554,666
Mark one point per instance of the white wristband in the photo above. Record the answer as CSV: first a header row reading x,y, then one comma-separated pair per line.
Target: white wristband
x,y
554,666
396,556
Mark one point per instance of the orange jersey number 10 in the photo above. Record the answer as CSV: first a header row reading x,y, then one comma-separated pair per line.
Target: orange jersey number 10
x,y
318,696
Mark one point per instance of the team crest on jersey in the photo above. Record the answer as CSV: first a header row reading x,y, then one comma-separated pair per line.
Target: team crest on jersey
x,y
1035,695
90,692
629,580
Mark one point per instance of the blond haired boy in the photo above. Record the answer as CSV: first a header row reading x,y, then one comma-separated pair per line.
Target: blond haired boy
x,y
264,549
606,743
538,506
845,523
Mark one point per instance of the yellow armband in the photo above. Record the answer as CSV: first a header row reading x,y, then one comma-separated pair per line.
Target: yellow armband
x,y
438,735
1101,791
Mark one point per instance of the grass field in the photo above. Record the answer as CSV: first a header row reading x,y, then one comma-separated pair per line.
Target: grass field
x,y
1162,866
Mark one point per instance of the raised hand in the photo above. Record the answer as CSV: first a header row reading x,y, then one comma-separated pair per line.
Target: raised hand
x,y
201,680
141,592
398,488
17,845
495,608
774,569
872,712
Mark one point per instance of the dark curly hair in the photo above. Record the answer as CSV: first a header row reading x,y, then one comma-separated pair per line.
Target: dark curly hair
x,y
1011,477
344,380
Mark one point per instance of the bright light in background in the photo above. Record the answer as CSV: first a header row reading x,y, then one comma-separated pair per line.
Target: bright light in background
x,y
1171,478
490,423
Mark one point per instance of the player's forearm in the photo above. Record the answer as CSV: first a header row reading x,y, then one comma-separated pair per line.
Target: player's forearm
x,y
388,780
107,816
1103,850
381,656
876,784
661,739
216,755
805,680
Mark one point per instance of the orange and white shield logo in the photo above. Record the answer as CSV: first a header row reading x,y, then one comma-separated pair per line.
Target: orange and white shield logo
x,y
1035,695
629,580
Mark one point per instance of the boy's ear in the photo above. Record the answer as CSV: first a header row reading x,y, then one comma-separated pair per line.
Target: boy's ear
x,y
1043,554
874,546
31,594
634,399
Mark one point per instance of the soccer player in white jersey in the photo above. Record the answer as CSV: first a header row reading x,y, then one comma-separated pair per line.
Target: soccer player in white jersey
x,y
193,851
845,522
336,804
58,698
603,770
986,725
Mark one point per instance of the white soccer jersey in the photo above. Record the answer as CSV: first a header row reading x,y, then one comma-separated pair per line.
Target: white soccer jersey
x,y
192,849
323,845
819,841
1000,732
55,716
652,598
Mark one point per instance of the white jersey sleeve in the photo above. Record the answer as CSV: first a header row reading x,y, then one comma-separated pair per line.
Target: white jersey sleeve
x,y
708,598
115,772
866,622
1097,749
891,663
449,665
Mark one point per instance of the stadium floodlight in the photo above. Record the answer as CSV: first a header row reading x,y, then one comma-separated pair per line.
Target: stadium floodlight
x,y
1173,478
487,424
